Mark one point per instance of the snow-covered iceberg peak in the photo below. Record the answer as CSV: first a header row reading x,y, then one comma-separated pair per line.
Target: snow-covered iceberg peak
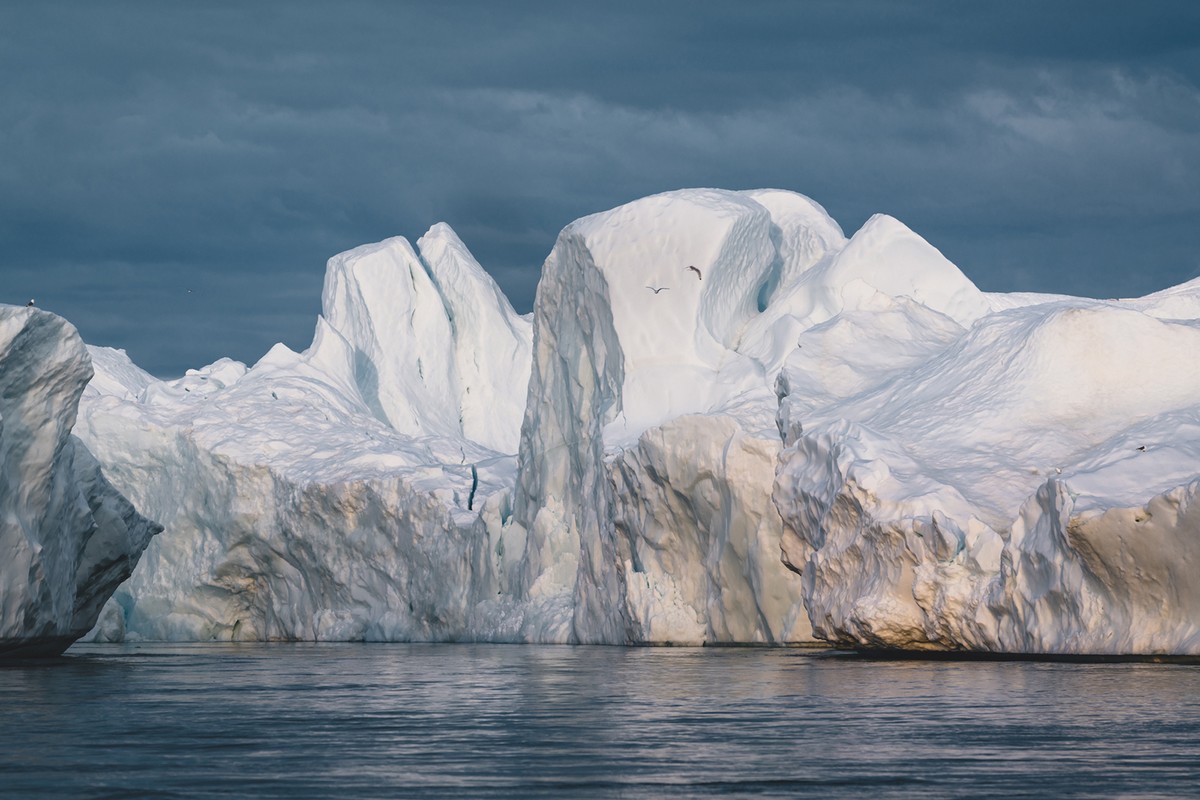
x,y
804,234
885,265
426,326
886,255
681,275
492,345
886,258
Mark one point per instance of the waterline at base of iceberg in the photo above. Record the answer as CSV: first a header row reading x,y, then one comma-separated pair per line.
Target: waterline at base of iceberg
x,y
495,721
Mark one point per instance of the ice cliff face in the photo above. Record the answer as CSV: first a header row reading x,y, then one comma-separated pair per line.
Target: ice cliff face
x,y
67,538
1014,488
362,489
649,429
340,493
711,380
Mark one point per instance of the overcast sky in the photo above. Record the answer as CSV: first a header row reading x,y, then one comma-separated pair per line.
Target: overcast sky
x,y
151,148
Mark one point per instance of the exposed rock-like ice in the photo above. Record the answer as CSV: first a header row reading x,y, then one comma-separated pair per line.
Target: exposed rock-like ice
x,y
67,538
650,426
710,379
1025,486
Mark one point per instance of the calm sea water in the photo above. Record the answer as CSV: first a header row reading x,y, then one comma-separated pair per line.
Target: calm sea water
x,y
293,720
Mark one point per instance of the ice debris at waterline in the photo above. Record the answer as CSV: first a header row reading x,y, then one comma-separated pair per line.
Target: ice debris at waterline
x,y
709,378
67,538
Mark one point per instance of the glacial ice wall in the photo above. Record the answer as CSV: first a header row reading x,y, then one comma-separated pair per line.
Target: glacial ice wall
x,y
67,537
342,493
726,422
698,537
649,436
1025,486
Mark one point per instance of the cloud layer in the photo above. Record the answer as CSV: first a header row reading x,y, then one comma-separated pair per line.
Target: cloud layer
x,y
174,176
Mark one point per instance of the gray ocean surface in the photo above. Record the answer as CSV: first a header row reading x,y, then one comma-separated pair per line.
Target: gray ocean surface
x,y
460,720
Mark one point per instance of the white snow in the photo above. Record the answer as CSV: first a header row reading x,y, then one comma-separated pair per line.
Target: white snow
x,y
67,537
335,493
428,339
649,435
710,379
971,499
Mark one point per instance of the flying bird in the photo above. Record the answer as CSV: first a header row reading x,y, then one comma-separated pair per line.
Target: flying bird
x,y
1142,448
699,277
657,289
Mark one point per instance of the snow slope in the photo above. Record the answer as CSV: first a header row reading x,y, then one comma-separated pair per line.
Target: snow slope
x,y
67,537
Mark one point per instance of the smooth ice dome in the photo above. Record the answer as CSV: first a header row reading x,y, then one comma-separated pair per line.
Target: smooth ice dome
x,y
67,538
724,422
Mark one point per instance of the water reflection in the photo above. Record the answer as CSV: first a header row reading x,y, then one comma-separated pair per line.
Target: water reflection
x,y
498,721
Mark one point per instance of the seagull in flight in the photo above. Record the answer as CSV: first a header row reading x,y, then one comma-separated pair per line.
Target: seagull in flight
x,y
657,289
699,277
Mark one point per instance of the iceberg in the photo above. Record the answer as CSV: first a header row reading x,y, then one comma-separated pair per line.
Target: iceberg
x,y
341,493
371,488
1024,487
649,438
723,422
68,537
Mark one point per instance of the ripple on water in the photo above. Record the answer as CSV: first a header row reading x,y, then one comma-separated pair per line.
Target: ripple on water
x,y
302,720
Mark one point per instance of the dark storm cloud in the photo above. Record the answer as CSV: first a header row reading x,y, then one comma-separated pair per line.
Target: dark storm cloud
x,y
152,148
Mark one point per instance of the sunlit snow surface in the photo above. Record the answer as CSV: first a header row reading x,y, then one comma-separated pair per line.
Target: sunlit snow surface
x,y
709,377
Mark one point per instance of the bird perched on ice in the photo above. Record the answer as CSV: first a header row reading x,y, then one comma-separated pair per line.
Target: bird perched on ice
x,y
30,303
657,289
699,277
